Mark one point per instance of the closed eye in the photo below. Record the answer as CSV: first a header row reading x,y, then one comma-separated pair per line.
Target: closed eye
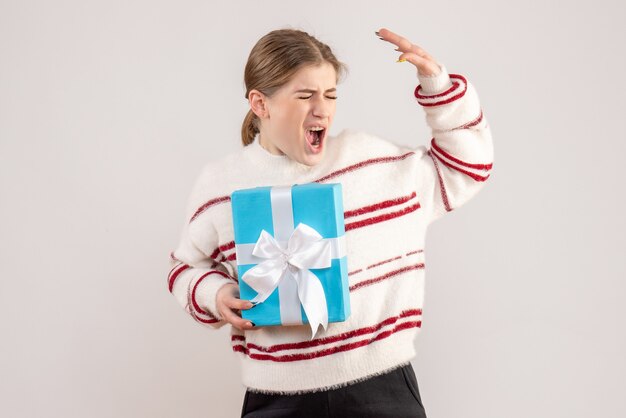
x,y
334,98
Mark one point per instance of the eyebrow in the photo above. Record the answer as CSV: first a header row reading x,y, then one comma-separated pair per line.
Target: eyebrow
x,y
313,91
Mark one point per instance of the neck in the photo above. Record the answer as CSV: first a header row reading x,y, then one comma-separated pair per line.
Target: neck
x,y
268,146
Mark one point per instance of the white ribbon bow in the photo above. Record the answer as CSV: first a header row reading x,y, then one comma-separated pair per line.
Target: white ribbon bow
x,y
306,249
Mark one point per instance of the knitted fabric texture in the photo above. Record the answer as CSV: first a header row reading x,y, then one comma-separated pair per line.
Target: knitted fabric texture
x,y
391,194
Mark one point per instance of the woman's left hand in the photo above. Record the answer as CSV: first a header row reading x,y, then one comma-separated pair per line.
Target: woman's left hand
x,y
426,65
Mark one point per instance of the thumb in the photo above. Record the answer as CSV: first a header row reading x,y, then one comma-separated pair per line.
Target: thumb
x,y
425,66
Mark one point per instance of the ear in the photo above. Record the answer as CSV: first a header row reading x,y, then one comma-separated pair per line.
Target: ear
x,y
258,103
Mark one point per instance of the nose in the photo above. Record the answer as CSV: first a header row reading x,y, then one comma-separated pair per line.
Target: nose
x,y
322,108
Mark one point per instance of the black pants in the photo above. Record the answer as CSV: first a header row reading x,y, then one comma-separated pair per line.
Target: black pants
x,y
393,394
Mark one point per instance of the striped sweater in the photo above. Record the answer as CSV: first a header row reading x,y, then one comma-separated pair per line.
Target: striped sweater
x,y
391,193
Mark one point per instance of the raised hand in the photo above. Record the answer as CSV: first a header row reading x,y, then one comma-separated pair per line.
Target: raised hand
x,y
426,65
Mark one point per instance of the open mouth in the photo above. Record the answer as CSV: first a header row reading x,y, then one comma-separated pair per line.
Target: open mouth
x,y
315,138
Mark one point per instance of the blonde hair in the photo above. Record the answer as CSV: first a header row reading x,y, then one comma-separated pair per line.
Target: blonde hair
x,y
274,59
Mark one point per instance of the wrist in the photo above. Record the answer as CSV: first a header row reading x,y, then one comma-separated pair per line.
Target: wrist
x,y
434,84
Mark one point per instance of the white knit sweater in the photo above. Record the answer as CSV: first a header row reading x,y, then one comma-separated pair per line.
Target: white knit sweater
x,y
391,193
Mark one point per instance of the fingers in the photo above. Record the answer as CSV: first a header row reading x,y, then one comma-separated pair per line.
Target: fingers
x,y
425,66
403,44
236,321
238,303
231,312
425,63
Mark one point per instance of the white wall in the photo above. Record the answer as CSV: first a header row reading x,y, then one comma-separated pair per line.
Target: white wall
x,y
109,109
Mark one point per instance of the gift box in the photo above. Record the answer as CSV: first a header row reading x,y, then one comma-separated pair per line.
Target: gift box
x,y
291,254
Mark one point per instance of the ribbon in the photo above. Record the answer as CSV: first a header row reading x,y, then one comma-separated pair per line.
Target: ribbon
x,y
306,249
284,262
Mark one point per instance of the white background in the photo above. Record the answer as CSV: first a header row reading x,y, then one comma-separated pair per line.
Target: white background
x,y
109,109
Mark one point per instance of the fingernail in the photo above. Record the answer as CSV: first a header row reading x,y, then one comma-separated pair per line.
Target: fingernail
x,y
251,324
402,60
377,34
382,39
397,49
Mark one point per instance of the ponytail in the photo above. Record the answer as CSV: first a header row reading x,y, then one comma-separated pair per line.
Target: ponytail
x,y
249,128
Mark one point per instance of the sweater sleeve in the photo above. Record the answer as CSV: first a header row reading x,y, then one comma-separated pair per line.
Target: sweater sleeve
x,y
195,274
460,157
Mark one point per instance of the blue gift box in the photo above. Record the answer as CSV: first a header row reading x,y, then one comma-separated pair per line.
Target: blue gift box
x,y
291,239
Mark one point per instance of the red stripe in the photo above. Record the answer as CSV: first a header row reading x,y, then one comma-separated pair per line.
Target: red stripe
x,y
334,338
211,320
450,100
208,204
442,102
336,349
476,177
418,95
174,275
386,276
227,246
193,292
364,164
378,206
223,258
382,218
484,167
240,348
193,296
474,122
384,261
442,186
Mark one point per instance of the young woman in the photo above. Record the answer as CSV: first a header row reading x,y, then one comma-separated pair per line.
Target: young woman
x,y
391,193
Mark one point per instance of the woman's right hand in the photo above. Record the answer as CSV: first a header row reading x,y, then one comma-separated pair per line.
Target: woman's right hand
x,y
229,307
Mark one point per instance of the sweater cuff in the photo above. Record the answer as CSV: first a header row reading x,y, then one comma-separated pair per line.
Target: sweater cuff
x,y
434,84
204,292
440,89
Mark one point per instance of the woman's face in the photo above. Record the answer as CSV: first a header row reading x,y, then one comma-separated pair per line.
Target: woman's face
x,y
307,101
